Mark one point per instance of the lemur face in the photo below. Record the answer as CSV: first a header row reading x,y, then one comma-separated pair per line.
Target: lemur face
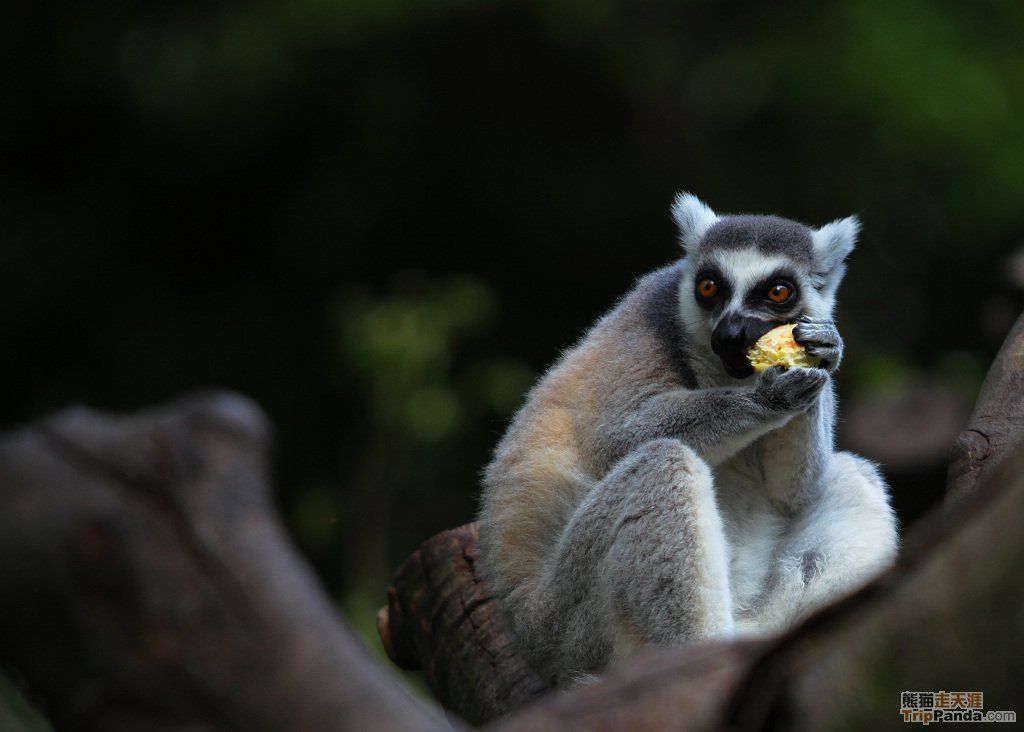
x,y
744,275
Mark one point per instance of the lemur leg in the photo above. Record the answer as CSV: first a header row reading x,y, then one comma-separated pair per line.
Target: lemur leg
x,y
835,545
643,560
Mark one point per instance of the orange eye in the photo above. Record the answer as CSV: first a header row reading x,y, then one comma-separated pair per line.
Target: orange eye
x,y
780,293
707,288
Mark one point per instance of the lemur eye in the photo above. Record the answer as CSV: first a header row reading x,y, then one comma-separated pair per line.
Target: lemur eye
x,y
707,288
780,292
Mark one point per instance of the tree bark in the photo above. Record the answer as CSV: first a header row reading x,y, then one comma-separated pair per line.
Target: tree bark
x,y
146,583
441,619
996,427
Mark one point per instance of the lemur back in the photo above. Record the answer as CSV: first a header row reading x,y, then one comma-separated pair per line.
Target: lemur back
x,y
551,454
652,490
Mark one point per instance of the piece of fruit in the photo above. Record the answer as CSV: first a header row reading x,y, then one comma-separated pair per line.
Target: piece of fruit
x,y
777,348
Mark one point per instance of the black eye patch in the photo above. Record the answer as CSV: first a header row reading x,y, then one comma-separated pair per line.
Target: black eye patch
x,y
757,296
721,290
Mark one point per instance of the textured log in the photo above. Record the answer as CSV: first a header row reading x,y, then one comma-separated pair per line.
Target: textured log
x,y
996,427
146,583
440,619
658,689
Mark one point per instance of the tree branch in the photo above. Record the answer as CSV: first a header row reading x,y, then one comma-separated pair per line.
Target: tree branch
x,y
440,619
146,582
996,427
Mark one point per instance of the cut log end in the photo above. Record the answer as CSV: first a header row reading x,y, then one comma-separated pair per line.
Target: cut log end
x,y
441,619
393,634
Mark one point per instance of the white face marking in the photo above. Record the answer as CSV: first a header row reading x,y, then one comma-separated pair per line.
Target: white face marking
x,y
744,268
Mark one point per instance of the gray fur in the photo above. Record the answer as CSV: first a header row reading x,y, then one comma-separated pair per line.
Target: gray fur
x,y
769,234
643,496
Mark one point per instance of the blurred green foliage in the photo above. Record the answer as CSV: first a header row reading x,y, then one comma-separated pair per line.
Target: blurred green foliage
x,y
402,349
16,713
431,386
242,194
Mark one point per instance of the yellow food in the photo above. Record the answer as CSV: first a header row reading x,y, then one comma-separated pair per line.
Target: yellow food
x,y
777,348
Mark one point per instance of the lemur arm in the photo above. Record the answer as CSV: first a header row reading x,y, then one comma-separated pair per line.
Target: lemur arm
x,y
717,423
795,457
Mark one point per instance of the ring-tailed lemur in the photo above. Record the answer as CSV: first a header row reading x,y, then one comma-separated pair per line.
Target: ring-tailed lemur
x,y
653,491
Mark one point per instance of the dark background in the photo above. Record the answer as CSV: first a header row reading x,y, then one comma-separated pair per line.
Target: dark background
x,y
382,218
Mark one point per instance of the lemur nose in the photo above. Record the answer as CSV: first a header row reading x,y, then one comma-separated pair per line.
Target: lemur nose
x,y
737,333
727,336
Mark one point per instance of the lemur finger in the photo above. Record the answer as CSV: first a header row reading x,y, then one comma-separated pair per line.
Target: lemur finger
x,y
770,378
822,349
816,378
816,333
807,383
809,378
808,320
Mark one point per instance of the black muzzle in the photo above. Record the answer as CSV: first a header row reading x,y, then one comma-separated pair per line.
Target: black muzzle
x,y
733,337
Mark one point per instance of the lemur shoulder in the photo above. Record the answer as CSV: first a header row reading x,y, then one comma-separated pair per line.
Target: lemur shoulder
x,y
653,490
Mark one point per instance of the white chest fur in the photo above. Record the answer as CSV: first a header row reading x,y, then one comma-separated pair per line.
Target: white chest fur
x,y
755,530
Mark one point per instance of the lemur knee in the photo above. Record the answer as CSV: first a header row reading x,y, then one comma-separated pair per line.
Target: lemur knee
x,y
666,569
665,468
854,481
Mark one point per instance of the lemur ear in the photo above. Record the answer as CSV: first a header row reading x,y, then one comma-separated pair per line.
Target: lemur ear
x,y
694,218
833,243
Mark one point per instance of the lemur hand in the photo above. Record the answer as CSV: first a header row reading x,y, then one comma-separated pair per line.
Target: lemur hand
x,y
821,339
789,390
